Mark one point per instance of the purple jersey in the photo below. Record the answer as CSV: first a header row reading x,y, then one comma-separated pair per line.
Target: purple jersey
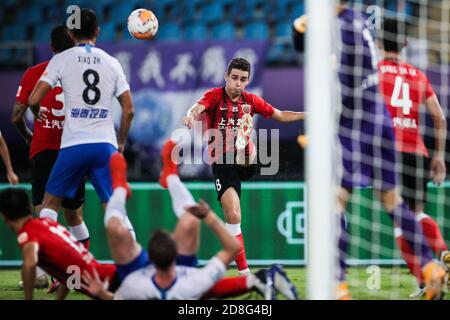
x,y
365,130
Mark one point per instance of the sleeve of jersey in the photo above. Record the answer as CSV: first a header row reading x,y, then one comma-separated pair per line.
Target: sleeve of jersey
x,y
209,98
24,90
262,107
24,237
52,73
122,83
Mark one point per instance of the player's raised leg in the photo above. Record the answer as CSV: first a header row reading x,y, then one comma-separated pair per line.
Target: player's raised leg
x,y
232,211
124,248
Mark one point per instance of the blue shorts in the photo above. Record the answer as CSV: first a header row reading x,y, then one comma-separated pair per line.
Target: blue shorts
x,y
142,260
76,162
368,151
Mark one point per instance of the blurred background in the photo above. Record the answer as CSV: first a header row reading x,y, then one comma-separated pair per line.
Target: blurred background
x,y
196,38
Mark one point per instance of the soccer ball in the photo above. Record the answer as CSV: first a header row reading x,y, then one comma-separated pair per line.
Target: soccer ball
x,y
142,24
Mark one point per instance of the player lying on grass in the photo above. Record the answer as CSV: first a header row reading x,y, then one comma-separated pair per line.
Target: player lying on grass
x,y
171,258
47,244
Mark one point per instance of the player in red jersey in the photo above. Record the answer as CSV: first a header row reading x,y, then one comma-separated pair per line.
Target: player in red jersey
x,y
4,153
405,89
229,110
46,139
47,244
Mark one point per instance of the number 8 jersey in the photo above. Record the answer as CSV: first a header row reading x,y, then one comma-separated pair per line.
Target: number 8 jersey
x,y
405,88
90,79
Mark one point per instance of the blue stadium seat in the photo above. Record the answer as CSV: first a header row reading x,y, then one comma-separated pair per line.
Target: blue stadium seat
x,y
169,32
107,32
196,32
42,32
297,10
120,12
30,15
16,32
212,13
224,31
256,9
283,29
256,31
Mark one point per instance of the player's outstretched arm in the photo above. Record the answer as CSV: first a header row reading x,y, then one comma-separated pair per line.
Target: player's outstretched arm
x,y
4,153
192,114
39,92
288,116
94,285
30,261
126,103
229,243
18,120
440,135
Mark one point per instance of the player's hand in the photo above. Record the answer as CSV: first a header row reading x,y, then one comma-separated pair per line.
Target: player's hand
x,y
437,170
188,121
41,116
301,23
200,210
93,284
12,178
121,147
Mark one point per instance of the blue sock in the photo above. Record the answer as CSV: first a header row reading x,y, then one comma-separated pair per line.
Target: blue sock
x,y
404,218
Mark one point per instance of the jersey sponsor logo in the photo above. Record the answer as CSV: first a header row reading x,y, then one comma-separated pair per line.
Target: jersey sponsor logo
x,y
406,123
22,238
89,113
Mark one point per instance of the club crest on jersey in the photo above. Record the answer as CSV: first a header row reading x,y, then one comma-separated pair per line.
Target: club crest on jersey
x,y
246,108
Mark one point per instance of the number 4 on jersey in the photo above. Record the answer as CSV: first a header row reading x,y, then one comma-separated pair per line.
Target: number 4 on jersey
x,y
405,102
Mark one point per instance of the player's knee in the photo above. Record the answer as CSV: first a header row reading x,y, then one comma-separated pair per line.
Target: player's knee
x,y
116,228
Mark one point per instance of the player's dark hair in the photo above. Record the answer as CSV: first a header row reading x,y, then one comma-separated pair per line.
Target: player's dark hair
x,y
240,64
162,249
393,35
88,25
60,39
15,204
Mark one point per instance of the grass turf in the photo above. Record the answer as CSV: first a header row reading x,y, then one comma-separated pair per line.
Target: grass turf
x,y
394,283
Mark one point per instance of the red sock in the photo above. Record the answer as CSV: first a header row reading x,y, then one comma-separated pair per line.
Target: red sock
x,y
227,288
241,260
433,235
411,260
86,242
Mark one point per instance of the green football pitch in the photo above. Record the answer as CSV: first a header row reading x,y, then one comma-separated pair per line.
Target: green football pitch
x,y
392,284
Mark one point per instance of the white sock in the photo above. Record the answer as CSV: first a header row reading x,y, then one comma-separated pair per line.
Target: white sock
x,y
80,232
116,205
235,229
116,209
181,197
49,213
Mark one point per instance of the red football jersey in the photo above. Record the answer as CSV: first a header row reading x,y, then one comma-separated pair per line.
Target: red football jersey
x,y
405,88
47,133
59,252
224,114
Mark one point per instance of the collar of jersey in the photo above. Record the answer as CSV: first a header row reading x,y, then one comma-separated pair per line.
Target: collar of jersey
x,y
163,290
